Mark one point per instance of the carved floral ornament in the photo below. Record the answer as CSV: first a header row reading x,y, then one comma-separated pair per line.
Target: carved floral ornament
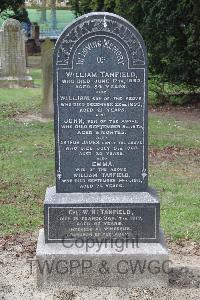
x,y
104,25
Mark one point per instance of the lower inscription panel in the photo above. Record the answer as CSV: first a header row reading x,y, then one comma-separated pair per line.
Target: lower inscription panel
x,y
139,222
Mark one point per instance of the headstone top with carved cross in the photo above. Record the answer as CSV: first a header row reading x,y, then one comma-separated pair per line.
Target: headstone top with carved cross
x,y
100,94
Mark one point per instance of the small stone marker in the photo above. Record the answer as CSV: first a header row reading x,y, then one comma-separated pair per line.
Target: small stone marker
x,y
13,72
101,193
47,76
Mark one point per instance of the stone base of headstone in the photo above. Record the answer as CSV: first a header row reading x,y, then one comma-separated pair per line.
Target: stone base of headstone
x,y
16,82
59,265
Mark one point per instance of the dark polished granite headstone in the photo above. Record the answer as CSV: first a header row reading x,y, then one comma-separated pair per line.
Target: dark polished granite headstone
x,y
100,96
100,117
101,195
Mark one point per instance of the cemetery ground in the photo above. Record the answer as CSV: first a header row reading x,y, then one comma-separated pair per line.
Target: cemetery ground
x,y
27,164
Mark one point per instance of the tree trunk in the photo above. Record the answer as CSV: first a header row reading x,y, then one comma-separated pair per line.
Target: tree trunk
x,y
43,16
53,14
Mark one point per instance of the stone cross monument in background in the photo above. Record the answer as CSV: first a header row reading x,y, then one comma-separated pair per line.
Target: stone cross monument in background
x,y
13,72
101,196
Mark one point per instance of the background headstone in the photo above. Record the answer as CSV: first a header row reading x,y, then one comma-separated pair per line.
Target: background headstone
x,y
33,43
47,76
13,72
35,33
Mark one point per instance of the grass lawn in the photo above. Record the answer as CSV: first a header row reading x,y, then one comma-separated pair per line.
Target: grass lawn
x,y
63,17
27,164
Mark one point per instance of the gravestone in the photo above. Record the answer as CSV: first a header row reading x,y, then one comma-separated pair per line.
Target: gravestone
x,y
102,84
47,78
13,72
101,194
